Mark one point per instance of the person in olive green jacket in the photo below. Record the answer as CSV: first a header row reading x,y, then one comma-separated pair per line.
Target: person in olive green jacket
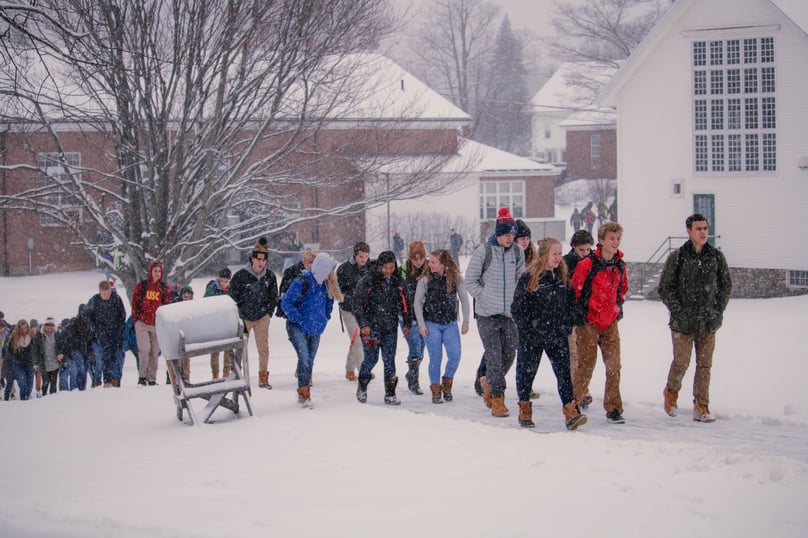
x,y
696,287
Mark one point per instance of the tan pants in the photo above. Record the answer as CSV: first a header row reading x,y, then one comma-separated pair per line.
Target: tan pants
x,y
572,339
589,339
682,349
261,329
148,349
185,366
356,352
214,363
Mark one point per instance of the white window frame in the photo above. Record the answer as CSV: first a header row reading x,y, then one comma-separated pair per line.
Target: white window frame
x,y
595,152
733,94
797,279
52,168
502,193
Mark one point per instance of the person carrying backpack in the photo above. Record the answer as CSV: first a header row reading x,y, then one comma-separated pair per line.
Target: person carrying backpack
x,y
600,285
307,304
149,295
491,277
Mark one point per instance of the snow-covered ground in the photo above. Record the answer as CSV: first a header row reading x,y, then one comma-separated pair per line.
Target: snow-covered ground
x,y
116,462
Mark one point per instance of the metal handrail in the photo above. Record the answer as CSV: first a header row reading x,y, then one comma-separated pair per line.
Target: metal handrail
x,y
666,247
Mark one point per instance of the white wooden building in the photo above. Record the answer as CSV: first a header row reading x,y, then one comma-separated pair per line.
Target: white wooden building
x,y
713,117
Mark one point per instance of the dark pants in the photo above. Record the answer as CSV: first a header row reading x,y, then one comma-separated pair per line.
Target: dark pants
x,y
49,380
500,338
25,380
527,364
386,342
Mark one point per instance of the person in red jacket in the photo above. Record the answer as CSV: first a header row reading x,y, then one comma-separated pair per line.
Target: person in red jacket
x,y
601,284
149,295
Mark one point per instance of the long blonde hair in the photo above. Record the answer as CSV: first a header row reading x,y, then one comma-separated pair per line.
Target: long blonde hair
x,y
450,268
536,266
20,335
332,284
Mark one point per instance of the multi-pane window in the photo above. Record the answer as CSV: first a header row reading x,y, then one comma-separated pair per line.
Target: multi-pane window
x,y
53,172
734,105
496,194
798,278
594,151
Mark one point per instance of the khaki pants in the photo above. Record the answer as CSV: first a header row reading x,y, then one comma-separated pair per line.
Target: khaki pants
x,y
682,349
261,329
148,349
356,353
572,340
589,339
214,363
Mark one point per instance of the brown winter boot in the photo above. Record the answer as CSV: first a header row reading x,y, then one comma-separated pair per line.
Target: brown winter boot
x,y
486,392
573,416
498,408
435,388
350,375
446,384
263,380
526,415
701,413
670,401
304,396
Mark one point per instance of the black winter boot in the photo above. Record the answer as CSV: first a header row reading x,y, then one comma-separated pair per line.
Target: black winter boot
x,y
413,364
390,391
362,388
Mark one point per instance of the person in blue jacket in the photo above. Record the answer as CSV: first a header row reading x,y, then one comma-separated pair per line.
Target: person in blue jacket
x,y
307,304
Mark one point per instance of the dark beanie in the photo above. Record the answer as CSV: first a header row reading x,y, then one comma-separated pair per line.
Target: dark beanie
x,y
522,229
505,223
386,257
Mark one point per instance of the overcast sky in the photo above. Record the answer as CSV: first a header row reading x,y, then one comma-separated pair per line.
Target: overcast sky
x,y
534,14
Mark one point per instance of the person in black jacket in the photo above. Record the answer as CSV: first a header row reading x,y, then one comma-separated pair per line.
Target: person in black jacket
x,y
255,291
105,315
696,287
414,268
78,346
581,245
348,274
542,309
378,301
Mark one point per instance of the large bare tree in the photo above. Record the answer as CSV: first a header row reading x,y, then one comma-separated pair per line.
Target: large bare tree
x,y
208,107
453,46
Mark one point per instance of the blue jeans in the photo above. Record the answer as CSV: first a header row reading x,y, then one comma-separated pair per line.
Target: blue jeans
x,y
64,375
117,366
106,361
415,342
527,364
386,342
438,336
306,347
25,380
78,370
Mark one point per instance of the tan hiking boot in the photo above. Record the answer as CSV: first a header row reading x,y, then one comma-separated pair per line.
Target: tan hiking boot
x,y
701,413
350,375
486,392
498,408
671,398
526,415
573,416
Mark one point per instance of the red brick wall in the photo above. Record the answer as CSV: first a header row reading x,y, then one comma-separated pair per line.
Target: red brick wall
x,y
579,163
327,155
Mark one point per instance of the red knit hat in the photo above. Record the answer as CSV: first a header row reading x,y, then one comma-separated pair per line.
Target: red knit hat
x,y
505,223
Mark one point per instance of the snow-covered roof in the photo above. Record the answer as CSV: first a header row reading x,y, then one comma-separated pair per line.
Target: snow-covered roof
x,y
573,85
471,158
592,117
372,87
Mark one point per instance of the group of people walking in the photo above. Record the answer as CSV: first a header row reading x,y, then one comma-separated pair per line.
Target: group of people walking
x,y
529,299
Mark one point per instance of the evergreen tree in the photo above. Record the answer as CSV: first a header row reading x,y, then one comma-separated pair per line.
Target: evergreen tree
x,y
505,119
